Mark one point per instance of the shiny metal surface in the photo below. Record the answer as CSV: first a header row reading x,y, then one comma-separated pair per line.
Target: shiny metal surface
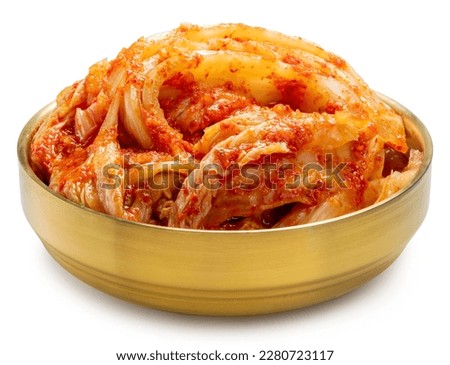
x,y
226,273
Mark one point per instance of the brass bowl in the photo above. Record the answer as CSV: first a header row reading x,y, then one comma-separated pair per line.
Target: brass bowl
x,y
226,273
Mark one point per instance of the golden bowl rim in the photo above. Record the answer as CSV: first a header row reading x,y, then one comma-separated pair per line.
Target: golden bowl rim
x,y
31,126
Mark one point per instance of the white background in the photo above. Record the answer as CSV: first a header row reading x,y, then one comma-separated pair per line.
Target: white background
x,y
46,314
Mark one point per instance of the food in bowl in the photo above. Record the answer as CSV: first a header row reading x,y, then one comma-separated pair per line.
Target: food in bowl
x,y
124,143
227,127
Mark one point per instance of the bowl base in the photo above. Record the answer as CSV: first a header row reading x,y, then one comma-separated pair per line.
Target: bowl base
x,y
221,303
